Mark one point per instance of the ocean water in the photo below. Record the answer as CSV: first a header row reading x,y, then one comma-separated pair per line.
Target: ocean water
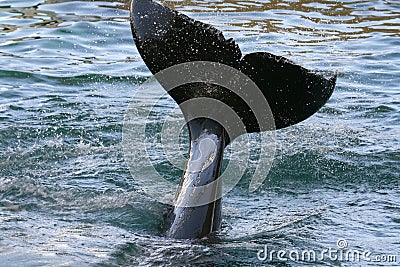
x,y
68,71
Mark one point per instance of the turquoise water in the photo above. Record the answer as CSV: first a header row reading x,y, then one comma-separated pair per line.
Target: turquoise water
x,y
68,70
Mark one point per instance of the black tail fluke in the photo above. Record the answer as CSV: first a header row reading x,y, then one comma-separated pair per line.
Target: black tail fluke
x,y
165,38
292,92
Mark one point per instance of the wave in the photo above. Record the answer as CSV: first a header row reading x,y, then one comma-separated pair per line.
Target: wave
x,y
72,80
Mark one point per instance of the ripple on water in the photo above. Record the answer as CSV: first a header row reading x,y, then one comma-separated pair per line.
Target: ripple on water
x,y
68,70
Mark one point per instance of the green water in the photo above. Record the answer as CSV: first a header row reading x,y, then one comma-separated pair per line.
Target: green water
x,y
68,70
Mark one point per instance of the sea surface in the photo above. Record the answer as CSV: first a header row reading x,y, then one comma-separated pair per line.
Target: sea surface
x,y
68,71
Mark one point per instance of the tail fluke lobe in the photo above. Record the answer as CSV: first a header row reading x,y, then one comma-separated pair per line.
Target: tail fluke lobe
x,y
166,38
292,92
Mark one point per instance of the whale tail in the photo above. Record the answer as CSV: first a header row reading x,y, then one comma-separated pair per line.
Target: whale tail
x,y
165,38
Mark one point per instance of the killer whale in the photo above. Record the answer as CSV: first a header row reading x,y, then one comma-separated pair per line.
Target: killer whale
x,y
165,38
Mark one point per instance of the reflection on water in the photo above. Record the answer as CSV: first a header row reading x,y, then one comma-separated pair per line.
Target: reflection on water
x,y
338,20
287,28
341,19
57,15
